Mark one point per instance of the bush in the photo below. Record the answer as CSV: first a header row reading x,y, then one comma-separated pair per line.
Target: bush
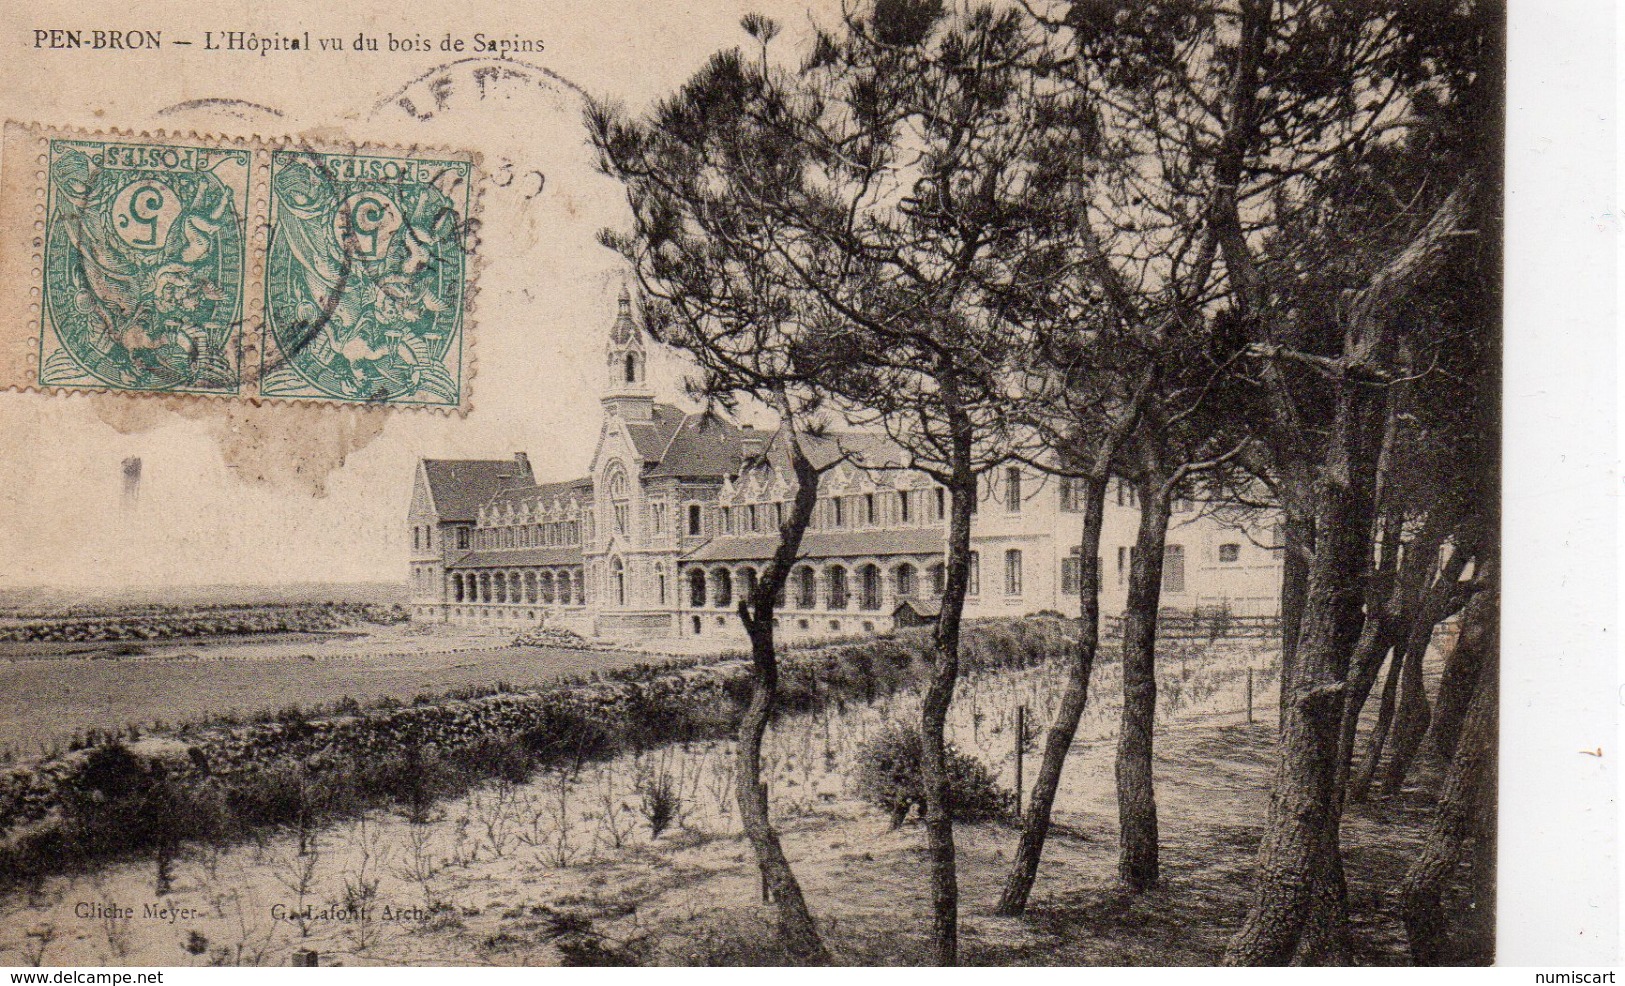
x,y
660,801
550,637
888,776
119,802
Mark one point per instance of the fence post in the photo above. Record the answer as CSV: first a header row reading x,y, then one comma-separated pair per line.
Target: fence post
x,y
1249,696
1021,752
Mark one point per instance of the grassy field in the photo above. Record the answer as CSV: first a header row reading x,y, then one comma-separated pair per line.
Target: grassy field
x,y
47,694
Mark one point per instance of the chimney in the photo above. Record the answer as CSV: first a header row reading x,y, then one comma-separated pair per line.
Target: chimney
x,y
521,468
750,448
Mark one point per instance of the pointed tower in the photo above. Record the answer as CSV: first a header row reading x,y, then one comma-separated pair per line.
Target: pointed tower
x,y
627,393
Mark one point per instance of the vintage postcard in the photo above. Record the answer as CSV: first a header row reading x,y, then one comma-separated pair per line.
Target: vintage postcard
x,y
888,483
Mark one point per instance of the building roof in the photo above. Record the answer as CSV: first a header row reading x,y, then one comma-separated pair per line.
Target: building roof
x,y
827,544
865,449
531,491
703,446
460,486
651,437
517,558
923,608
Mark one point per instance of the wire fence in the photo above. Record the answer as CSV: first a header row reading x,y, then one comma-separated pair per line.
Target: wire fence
x,y
1185,625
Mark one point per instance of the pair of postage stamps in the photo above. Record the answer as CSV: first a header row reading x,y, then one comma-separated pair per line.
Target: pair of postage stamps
x,y
248,268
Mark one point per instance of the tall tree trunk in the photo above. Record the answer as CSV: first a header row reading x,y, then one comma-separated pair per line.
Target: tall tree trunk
x,y
939,694
1035,827
1299,860
1413,720
1417,586
1464,803
796,926
1294,584
1412,716
1375,644
1363,634
1326,938
1360,783
1136,796
1474,646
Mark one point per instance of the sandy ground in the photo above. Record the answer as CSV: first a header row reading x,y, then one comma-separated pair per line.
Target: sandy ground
x,y
509,873
494,878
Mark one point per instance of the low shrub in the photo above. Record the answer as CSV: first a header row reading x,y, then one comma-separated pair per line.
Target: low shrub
x,y
659,801
551,637
887,775
168,623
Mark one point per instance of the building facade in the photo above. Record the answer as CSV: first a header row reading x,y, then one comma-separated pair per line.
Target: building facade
x,y
678,519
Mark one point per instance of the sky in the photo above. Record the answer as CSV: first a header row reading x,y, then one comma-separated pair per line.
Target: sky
x,y
230,493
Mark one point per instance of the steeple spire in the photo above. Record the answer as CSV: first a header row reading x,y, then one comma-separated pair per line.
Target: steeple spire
x,y
628,393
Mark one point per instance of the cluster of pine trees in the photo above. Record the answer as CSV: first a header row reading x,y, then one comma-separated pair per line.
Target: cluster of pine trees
x,y
1240,251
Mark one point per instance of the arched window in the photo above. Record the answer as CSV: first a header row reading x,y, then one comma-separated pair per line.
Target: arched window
x,y
660,586
617,581
620,499
631,368
696,587
547,588
869,587
939,578
567,595
530,587
722,588
485,587
906,580
836,592
806,588
499,587
747,583
457,588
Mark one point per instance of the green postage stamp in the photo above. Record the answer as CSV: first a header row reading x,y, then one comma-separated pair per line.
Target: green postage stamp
x,y
364,282
143,267
231,267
